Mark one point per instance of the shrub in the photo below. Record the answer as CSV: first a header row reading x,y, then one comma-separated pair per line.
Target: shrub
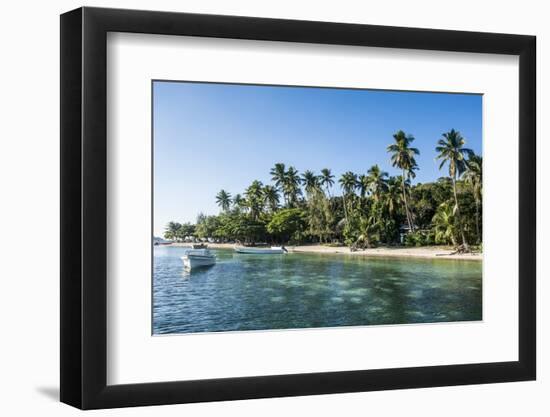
x,y
420,238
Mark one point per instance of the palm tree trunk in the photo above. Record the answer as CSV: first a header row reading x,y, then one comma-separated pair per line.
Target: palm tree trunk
x,y
367,241
345,209
409,220
464,242
329,198
477,222
284,197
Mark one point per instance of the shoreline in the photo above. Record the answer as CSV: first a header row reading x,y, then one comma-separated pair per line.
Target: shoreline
x,y
423,252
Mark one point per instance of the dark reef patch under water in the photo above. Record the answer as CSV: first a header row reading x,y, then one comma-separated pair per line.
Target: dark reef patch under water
x,y
261,292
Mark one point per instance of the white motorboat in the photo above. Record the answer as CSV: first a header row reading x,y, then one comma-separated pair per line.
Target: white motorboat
x,y
261,251
198,258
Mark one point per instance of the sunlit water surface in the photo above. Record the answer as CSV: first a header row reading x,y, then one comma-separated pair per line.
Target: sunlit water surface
x,y
259,292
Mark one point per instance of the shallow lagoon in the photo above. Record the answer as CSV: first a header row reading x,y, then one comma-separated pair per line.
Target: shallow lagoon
x,y
260,292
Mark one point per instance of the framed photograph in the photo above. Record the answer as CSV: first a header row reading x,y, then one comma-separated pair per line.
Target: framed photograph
x,y
258,208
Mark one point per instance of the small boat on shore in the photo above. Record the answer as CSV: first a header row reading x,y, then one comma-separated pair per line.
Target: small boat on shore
x,y
199,246
260,250
198,258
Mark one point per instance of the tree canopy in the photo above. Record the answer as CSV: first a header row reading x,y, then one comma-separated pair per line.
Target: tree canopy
x,y
374,207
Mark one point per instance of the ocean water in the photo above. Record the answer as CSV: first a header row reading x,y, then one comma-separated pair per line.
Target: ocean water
x,y
292,291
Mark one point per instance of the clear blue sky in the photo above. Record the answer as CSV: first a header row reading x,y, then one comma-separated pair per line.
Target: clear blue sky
x,y
209,137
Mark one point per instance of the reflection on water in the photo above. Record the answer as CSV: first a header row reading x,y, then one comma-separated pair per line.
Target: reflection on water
x,y
258,292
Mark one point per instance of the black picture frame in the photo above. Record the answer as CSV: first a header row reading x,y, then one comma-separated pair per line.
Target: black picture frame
x,y
84,207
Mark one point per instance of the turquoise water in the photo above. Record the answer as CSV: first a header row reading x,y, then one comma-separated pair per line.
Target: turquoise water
x,y
259,292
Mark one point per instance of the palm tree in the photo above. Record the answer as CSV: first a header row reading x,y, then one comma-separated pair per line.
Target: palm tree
x,y
171,231
452,152
377,181
363,185
238,201
391,200
444,224
369,226
278,175
474,177
326,179
254,198
403,157
392,196
291,185
223,199
271,197
310,181
348,182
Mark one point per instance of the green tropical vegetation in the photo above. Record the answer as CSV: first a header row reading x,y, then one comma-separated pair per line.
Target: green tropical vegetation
x,y
360,210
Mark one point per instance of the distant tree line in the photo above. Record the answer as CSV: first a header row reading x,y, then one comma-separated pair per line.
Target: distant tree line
x,y
373,208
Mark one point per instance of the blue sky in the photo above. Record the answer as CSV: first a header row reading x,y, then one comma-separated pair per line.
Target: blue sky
x,y
209,137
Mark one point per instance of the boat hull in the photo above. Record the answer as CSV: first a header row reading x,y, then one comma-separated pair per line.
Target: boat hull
x,y
198,259
260,251
199,246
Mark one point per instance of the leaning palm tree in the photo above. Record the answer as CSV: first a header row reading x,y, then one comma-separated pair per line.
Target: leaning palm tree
x,y
271,197
326,179
451,151
348,182
223,199
403,157
310,181
377,181
291,186
474,177
278,175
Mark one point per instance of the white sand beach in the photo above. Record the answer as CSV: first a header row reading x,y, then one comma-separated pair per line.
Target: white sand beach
x,y
429,252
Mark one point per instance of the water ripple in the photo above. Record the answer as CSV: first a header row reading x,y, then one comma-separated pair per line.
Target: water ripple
x,y
251,292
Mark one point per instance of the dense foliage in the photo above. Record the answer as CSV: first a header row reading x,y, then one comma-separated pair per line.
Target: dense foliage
x,y
373,208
